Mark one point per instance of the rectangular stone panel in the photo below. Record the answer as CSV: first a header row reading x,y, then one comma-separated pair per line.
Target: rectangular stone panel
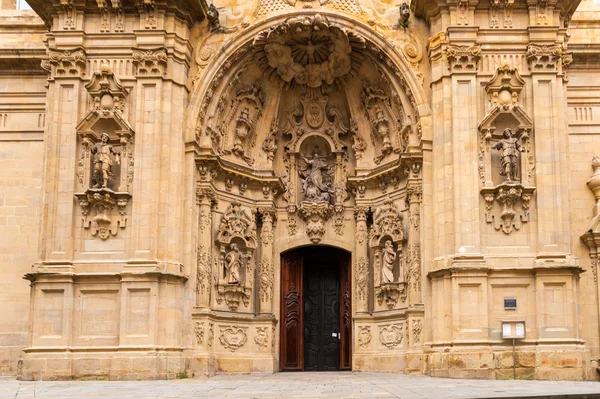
x,y
97,318
52,314
138,312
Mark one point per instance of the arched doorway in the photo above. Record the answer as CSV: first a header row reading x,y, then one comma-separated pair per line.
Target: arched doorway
x,y
316,327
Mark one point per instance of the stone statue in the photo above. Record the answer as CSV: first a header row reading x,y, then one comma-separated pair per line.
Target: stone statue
x,y
243,126
316,182
233,264
383,130
103,152
389,256
510,149
404,15
213,18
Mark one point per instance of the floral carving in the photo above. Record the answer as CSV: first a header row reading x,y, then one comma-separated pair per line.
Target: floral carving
x,y
199,332
261,339
362,278
543,57
316,214
68,62
364,336
233,337
203,272
265,273
417,326
391,335
309,50
463,58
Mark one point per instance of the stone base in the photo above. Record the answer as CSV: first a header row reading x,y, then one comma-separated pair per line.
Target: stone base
x,y
209,365
547,363
396,362
103,366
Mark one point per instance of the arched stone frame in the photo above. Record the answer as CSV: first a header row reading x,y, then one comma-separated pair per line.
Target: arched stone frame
x,y
397,69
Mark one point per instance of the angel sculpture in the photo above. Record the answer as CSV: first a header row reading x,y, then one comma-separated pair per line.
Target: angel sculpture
x,y
316,178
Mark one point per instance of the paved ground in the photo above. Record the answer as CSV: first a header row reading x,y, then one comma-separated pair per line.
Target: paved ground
x,y
299,385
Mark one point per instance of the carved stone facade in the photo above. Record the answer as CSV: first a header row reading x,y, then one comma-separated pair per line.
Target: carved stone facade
x,y
164,157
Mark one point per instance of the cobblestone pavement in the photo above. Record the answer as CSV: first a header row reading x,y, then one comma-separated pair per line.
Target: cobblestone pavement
x,y
299,385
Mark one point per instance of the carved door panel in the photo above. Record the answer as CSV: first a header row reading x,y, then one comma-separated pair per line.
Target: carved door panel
x,y
292,320
321,317
346,314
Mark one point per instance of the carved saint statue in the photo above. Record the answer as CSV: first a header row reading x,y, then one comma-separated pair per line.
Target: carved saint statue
x,y
389,256
103,152
233,264
509,152
316,183
383,130
243,126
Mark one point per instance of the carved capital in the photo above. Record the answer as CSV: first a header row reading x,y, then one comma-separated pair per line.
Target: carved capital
x,y
66,63
150,62
543,57
206,196
463,58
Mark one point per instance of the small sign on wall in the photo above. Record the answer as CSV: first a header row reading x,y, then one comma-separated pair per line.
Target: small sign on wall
x,y
510,303
513,329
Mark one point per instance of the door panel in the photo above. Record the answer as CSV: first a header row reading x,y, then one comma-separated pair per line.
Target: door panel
x,y
292,331
321,317
316,323
346,312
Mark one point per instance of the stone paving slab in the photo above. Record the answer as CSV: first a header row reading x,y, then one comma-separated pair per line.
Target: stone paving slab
x,y
330,385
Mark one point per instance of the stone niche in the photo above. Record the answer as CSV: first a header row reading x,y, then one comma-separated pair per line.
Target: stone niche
x,y
236,243
386,241
506,158
105,161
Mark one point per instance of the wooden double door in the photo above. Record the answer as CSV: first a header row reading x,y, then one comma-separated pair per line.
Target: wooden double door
x,y
316,323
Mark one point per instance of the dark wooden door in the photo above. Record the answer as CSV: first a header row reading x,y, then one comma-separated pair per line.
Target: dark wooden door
x,y
321,317
316,309
292,323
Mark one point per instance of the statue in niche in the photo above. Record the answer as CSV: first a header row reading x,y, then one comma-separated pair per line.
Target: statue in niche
x,y
243,127
383,130
316,178
233,264
510,149
103,152
389,257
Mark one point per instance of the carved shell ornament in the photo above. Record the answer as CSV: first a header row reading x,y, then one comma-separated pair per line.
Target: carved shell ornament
x,y
309,50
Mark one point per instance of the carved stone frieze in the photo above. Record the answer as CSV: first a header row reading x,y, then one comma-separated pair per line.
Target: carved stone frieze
x,y
147,9
417,327
463,58
233,294
203,269
117,7
387,222
391,335
69,14
233,337
150,62
269,146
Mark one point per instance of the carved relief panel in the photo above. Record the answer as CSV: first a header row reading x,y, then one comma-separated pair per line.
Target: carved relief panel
x,y
105,163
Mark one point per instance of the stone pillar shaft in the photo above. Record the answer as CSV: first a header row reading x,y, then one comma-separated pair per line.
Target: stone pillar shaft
x,y
413,268
361,262
204,269
265,270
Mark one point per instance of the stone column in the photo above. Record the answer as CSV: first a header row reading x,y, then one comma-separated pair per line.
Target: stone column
x,y
205,200
361,262
413,267
265,268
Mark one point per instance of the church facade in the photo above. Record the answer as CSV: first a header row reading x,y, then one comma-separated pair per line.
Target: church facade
x,y
191,188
